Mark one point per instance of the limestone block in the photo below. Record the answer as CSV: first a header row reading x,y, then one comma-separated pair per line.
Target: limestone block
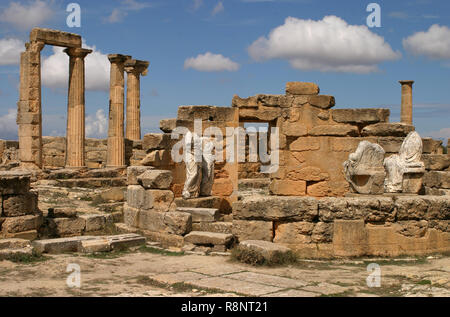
x,y
271,208
207,113
349,238
62,212
270,251
387,129
162,199
124,241
320,189
94,222
305,144
294,232
208,238
218,226
21,223
334,130
68,226
130,215
155,141
155,179
14,183
308,173
201,214
60,245
134,171
173,222
322,101
167,125
416,229
201,202
302,88
54,37
273,100
287,187
253,230
293,129
179,222
222,187
322,233
437,179
20,205
431,146
436,162
250,102
92,246
360,116
138,197
261,113
13,243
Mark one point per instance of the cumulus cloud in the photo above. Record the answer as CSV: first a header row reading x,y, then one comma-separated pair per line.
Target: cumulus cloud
x,y
329,44
10,50
434,43
218,8
210,62
8,126
27,16
118,14
97,125
55,70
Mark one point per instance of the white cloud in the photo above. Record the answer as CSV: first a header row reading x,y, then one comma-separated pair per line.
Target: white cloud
x,y
97,126
218,8
434,43
329,44
10,50
27,16
117,15
55,70
210,62
8,126
442,134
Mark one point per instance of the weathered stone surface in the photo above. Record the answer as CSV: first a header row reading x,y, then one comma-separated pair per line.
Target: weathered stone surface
x,y
387,129
14,183
13,243
308,173
167,125
114,194
288,187
54,37
20,205
270,208
320,189
21,224
437,179
302,88
293,129
390,144
413,228
270,251
68,226
422,207
201,214
179,222
218,226
134,171
92,246
436,162
169,222
261,113
364,169
155,141
162,199
201,202
208,113
250,102
60,245
253,230
155,179
431,146
334,130
360,116
322,101
62,212
94,222
138,197
305,144
125,241
130,215
293,232
208,238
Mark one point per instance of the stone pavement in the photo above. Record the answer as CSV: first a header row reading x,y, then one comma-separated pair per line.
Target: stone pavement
x,y
153,272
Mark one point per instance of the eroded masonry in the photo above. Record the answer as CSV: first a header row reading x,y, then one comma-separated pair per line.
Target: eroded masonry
x,y
347,182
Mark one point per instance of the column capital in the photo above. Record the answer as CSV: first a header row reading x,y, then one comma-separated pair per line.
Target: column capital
x,y
118,58
77,52
35,46
406,82
136,66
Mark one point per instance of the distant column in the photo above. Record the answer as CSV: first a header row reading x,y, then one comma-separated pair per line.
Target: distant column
x,y
75,156
116,142
407,111
134,69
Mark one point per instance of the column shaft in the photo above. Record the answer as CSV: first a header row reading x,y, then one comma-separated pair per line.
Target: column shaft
x,y
406,109
133,106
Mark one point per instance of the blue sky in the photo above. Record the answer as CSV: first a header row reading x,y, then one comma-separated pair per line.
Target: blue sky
x,y
360,66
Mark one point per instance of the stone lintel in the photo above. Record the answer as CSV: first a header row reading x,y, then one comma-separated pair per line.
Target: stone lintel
x,y
55,37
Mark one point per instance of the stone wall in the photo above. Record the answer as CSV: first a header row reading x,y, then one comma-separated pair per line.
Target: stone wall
x,y
436,180
350,226
315,140
19,215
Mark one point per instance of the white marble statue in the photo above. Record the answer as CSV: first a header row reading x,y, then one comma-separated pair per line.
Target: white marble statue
x,y
364,168
405,169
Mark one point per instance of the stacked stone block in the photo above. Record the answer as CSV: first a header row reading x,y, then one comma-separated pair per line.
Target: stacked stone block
x,y
350,226
20,216
436,180
316,140
150,206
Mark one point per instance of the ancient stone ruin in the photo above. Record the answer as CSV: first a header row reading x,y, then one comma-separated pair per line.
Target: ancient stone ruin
x,y
326,182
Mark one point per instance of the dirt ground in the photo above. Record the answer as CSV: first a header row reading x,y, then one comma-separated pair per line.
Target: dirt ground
x,y
153,272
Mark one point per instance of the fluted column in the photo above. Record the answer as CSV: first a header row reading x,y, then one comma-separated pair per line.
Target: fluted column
x,y
116,141
134,69
75,135
406,111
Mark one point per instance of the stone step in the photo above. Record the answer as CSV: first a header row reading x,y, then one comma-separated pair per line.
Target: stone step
x,y
13,243
88,243
201,202
6,254
218,227
201,214
79,173
256,183
208,238
93,182
270,251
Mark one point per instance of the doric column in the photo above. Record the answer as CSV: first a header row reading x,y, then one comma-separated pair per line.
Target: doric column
x,y
29,114
116,141
134,69
406,112
75,135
